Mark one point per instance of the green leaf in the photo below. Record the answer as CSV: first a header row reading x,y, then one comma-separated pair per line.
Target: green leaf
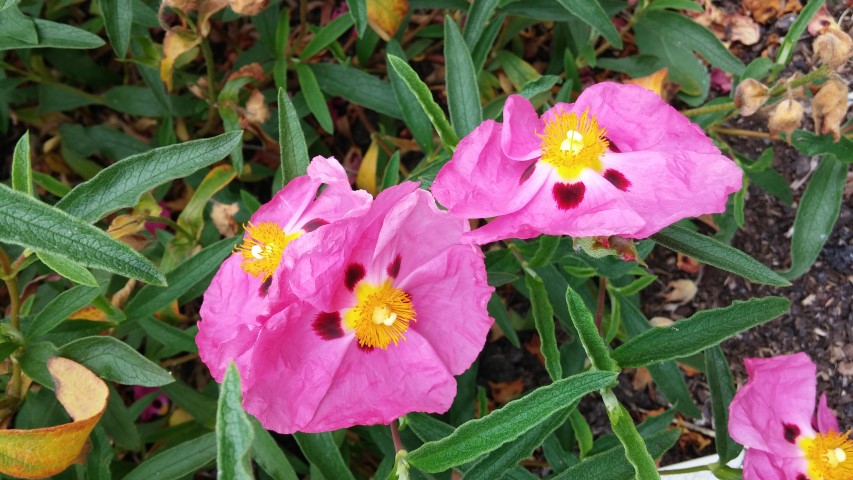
x,y
328,34
391,175
424,96
675,5
294,151
498,311
54,35
478,437
68,269
591,13
722,392
583,434
479,14
121,184
201,407
30,223
269,455
118,18
321,451
702,330
611,465
548,246
635,448
358,10
427,428
481,50
414,116
813,145
786,48
773,183
114,360
118,423
234,433
356,86
178,462
17,28
540,85
4,4
684,68
150,298
588,334
60,308
543,317
463,94
710,251
314,97
519,72
51,184
173,339
22,172
33,361
816,215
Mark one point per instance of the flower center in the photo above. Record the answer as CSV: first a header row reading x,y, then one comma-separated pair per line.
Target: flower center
x,y
571,143
381,315
829,456
262,247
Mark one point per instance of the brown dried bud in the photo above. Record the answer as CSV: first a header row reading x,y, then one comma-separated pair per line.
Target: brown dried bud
x,y
829,108
248,7
833,48
787,116
750,96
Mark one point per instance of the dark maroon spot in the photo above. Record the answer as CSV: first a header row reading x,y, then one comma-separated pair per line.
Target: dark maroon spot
x,y
527,173
814,424
354,274
568,195
617,179
802,476
612,146
314,225
328,326
265,286
791,433
394,267
364,348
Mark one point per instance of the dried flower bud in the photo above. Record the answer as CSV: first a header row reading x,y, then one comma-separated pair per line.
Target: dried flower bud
x,y
833,48
248,7
829,108
787,116
750,96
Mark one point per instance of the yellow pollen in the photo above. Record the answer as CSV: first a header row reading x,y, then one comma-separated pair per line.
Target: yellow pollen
x,y
262,247
829,456
381,314
571,144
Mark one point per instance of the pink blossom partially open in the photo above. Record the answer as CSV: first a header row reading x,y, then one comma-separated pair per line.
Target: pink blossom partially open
x,y
392,306
248,286
619,161
773,415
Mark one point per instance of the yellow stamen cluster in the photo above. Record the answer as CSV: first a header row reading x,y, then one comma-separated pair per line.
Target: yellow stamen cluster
x,y
829,456
262,247
571,144
381,315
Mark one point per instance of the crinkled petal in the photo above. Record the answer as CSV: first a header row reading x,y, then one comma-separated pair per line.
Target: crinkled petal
x,y
826,419
519,139
761,465
775,406
481,182
667,186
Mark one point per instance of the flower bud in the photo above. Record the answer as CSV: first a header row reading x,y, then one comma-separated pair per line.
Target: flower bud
x,y
787,116
833,48
750,96
829,108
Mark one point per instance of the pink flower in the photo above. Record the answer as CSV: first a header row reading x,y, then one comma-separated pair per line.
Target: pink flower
x,y
772,415
619,161
393,305
248,286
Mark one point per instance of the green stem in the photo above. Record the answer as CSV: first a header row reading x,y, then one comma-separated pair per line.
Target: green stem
x,y
680,471
720,107
211,89
11,280
395,436
599,306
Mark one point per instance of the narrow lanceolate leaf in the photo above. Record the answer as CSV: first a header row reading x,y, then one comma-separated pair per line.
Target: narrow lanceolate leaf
x,y
722,392
22,172
635,449
612,465
294,151
421,91
358,10
179,461
60,308
269,455
592,342
321,451
478,437
543,317
116,361
479,14
118,17
703,330
591,13
356,86
30,223
710,251
786,49
326,35
122,183
234,433
414,116
151,298
463,94
71,270
314,97
548,246
816,214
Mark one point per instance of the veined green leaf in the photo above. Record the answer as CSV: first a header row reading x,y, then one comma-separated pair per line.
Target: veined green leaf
x,y
314,97
414,116
591,340
294,151
51,184
30,223
635,449
356,86
463,93
591,13
201,407
321,451
543,317
269,455
68,269
60,308
328,34
22,172
548,246
478,15
118,18
811,144
234,433
114,360
358,10
722,392
179,461
702,330
611,465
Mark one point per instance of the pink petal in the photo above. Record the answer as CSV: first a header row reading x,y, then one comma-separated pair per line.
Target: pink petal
x,y
480,181
760,465
775,406
521,123
826,419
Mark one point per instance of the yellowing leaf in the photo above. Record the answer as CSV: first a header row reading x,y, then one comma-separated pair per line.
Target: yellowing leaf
x,y
366,177
43,452
655,82
385,16
177,42
135,221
